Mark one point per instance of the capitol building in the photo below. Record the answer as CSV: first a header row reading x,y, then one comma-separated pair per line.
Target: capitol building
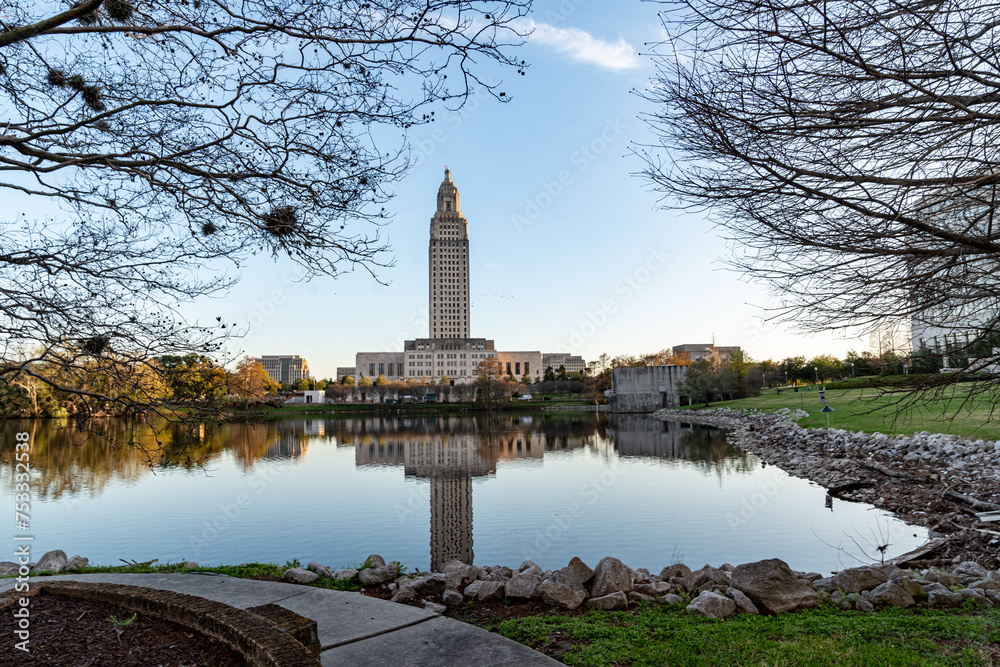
x,y
449,350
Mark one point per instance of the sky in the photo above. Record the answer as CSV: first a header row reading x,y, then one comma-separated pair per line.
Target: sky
x,y
569,249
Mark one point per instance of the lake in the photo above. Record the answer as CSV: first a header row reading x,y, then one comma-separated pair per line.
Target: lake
x,y
545,486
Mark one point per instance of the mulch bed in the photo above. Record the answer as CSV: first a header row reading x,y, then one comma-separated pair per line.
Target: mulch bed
x,y
68,632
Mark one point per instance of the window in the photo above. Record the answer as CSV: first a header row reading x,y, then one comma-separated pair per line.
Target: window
x,y
517,368
371,370
381,369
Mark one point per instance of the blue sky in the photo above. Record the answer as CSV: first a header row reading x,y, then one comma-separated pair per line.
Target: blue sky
x,y
568,250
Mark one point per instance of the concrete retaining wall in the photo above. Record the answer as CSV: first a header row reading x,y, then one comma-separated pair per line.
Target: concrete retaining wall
x,y
645,388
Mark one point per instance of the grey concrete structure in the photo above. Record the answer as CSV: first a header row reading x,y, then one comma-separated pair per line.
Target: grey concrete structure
x,y
645,388
373,364
354,629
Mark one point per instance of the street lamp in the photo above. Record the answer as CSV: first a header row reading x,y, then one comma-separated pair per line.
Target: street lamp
x,y
852,370
816,368
786,378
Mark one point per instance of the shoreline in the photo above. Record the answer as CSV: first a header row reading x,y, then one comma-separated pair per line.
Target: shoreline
x,y
930,480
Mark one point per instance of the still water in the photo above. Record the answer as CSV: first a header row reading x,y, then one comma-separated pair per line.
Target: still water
x,y
543,487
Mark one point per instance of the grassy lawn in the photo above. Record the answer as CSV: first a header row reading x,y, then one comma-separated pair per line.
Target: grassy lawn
x,y
871,410
652,635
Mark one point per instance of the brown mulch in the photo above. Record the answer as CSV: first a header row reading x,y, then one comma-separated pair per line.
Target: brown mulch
x,y
68,632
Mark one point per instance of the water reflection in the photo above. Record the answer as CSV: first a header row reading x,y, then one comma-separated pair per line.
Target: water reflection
x,y
337,492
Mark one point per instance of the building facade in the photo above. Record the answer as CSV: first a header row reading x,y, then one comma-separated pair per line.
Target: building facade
x,y
373,364
572,362
344,371
700,351
286,369
448,266
519,364
645,388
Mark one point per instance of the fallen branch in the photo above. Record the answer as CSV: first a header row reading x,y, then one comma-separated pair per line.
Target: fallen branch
x,y
975,503
928,548
133,563
835,491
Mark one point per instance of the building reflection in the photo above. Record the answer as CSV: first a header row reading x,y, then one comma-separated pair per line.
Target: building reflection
x,y
448,454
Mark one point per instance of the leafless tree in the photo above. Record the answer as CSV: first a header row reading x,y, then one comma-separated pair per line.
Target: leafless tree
x,y
147,150
848,148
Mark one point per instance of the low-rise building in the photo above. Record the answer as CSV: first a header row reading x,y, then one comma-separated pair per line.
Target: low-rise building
x,y
344,371
698,351
572,362
519,364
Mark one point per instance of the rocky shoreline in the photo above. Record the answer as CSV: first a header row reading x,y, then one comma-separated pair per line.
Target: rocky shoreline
x,y
764,587
932,480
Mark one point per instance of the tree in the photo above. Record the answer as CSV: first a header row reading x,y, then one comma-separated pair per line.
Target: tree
x,y
347,380
193,377
489,379
168,141
526,380
848,147
549,375
365,382
302,384
561,373
250,381
826,366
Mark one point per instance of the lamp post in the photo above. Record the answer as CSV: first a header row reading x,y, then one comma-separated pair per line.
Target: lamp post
x,y
852,370
816,368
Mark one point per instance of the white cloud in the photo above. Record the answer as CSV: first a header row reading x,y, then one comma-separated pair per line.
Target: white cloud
x,y
582,47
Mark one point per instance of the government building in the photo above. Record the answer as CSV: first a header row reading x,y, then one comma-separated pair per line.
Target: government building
x,y
449,351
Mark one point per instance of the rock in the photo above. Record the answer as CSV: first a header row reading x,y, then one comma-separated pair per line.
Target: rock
x,y
432,584
453,565
824,584
670,598
8,568
577,572
935,586
522,586
611,576
743,603
79,562
374,560
453,579
994,596
862,604
986,585
321,570
562,593
500,574
675,570
892,571
970,571
944,599
976,596
712,605
642,576
944,578
297,575
892,595
693,580
435,607
405,593
343,575
490,590
655,588
373,576
772,586
52,561
470,573
526,565
532,569
636,596
472,590
857,579
912,588
609,602
452,598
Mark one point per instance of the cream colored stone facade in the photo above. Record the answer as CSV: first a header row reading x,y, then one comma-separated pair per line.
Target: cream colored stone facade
x,y
287,369
448,262
519,364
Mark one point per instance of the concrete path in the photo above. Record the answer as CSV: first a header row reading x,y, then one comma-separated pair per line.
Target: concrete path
x,y
354,629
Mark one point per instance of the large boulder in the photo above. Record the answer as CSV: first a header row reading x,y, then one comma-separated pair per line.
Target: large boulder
x,y
857,579
345,574
944,599
432,584
675,570
297,575
52,561
970,571
8,568
656,588
609,602
712,605
773,587
612,576
524,586
577,572
976,595
374,560
372,576
564,594
892,595
79,562
490,591
743,603
694,580
320,569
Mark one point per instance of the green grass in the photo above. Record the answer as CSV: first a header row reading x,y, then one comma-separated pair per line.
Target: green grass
x,y
958,412
655,635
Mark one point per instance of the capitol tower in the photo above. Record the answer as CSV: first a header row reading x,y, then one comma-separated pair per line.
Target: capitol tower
x,y
448,266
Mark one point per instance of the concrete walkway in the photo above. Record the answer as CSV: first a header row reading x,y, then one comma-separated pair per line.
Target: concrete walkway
x,y
354,629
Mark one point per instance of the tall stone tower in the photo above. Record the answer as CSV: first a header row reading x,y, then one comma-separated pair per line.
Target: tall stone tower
x,y
448,256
